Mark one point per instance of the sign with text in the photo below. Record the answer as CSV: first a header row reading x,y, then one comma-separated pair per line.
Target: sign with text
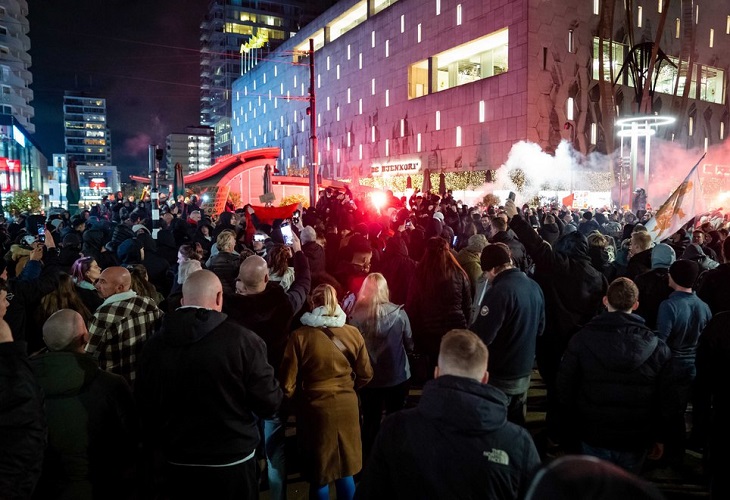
x,y
385,169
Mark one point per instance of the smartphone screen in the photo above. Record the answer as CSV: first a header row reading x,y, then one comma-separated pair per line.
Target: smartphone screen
x,y
287,234
41,233
453,243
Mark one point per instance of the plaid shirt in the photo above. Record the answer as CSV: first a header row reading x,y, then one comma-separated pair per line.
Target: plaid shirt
x,y
118,331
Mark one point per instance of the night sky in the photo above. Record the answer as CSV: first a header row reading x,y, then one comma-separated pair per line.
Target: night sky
x,y
141,55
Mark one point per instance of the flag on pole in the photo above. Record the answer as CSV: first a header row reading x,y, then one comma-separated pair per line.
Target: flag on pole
x,y
568,200
684,203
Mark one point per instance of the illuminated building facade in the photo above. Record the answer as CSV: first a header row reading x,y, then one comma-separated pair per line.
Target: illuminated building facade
x,y
452,85
193,150
86,133
15,75
229,25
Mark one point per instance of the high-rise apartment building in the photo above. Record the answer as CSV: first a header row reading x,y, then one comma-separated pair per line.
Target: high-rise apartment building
x,y
15,62
86,134
193,150
234,36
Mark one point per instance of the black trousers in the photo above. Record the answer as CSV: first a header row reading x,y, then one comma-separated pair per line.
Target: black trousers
x,y
238,482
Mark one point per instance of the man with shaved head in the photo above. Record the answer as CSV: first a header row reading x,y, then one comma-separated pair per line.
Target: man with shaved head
x,y
91,417
203,381
121,324
265,308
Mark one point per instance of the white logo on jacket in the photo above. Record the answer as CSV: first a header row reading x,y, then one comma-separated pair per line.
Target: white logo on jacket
x,y
497,456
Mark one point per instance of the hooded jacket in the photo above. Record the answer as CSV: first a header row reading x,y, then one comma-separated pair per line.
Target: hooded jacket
x,y
456,443
654,285
202,380
714,288
613,384
519,253
398,268
91,421
695,253
572,287
387,345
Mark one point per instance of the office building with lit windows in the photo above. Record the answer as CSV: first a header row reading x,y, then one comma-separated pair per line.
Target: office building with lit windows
x,y
193,150
452,85
86,134
259,26
15,62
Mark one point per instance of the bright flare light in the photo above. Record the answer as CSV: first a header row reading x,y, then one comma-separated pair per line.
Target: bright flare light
x,y
378,199
206,198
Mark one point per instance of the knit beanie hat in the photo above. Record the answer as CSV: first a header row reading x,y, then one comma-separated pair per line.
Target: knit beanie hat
x,y
495,255
684,273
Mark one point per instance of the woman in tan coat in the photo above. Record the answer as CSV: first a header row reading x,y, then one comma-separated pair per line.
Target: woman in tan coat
x,y
324,363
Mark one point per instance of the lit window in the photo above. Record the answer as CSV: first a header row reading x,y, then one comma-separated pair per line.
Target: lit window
x,y
338,155
319,81
402,127
418,30
639,16
418,143
328,63
594,127
387,48
349,20
359,106
596,7
372,86
438,7
359,61
697,14
481,112
458,137
659,9
403,23
458,15
387,148
349,139
281,88
264,77
722,131
569,108
338,71
712,37
707,143
338,112
276,71
727,26
360,151
319,119
328,143
295,81
372,133
349,51
387,98
481,58
328,103
677,26
570,41
372,39
349,95
691,126
438,120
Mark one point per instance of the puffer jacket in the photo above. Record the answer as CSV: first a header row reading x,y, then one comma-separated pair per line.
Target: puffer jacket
x,y
516,247
225,265
573,289
387,345
613,385
398,269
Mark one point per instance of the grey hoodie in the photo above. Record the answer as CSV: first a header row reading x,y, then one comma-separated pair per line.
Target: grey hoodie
x,y
662,256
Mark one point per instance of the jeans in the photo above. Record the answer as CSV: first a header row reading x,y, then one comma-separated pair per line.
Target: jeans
x,y
516,391
274,441
631,461
345,488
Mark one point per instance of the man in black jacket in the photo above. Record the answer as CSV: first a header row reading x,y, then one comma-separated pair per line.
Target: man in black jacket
x,y
266,309
457,443
573,290
614,385
714,285
202,382
502,235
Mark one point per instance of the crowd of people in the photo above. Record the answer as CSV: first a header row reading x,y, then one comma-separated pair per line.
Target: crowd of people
x,y
164,360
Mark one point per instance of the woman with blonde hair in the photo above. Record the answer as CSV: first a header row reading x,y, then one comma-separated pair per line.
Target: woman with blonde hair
x,y
324,362
63,297
387,333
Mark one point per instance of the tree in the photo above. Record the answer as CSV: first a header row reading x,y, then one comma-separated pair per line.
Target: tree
x,y
23,201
